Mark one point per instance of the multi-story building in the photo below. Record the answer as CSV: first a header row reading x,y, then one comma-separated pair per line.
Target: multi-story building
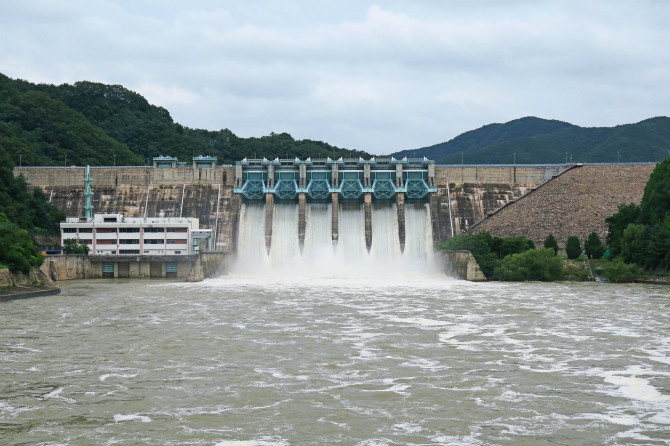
x,y
114,234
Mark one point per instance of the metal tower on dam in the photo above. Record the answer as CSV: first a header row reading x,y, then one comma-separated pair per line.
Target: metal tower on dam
x,y
350,180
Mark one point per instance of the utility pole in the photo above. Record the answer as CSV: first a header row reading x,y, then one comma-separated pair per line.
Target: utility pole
x,y
65,160
114,155
515,158
20,156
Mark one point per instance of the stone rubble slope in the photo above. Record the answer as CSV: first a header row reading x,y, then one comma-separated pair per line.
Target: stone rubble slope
x,y
574,203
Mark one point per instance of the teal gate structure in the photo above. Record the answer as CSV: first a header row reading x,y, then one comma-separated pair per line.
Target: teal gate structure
x,y
350,179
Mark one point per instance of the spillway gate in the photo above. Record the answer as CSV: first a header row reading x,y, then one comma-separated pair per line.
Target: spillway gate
x,y
350,180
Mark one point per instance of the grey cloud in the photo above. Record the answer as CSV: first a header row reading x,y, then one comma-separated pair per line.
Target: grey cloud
x,y
377,76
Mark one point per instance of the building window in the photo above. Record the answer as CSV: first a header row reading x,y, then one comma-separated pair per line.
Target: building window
x,y
69,230
85,230
151,241
154,230
129,242
129,230
171,229
109,220
129,251
176,242
106,230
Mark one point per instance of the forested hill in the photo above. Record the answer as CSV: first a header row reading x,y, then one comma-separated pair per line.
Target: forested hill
x,y
536,140
98,124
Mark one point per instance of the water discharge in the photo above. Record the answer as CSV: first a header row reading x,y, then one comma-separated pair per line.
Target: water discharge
x,y
348,256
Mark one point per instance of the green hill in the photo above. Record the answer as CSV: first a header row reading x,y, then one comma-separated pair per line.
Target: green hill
x,y
533,140
98,124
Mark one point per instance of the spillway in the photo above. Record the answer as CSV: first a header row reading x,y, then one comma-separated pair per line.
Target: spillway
x,y
321,256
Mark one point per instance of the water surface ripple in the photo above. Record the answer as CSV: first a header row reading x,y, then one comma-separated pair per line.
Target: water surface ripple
x,y
239,361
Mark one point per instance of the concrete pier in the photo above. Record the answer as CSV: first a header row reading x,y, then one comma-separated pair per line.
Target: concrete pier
x,y
368,220
400,207
301,220
269,212
334,217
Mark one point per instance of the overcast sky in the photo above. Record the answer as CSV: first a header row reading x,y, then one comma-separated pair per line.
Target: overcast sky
x,y
377,76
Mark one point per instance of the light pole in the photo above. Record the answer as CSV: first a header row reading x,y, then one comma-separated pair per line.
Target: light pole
x,y
461,159
618,159
114,155
515,158
566,157
65,160
20,156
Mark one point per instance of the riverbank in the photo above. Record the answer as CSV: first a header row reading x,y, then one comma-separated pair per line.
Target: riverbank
x,y
22,286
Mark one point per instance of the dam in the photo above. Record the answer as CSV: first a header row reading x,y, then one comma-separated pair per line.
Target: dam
x,y
451,198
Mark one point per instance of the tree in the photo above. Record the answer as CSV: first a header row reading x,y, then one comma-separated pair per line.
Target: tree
x,y
617,223
18,251
72,246
593,247
573,248
479,245
550,242
632,244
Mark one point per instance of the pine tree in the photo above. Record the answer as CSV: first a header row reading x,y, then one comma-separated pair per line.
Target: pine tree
x,y
550,242
593,247
573,248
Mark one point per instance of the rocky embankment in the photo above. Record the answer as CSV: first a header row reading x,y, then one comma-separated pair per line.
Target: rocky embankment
x,y
574,203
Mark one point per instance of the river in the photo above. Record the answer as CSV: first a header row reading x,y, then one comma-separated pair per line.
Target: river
x,y
244,361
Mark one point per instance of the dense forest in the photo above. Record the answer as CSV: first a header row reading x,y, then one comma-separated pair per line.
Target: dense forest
x,y
98,124
533,140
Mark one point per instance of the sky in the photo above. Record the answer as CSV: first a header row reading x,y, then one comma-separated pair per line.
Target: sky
x,y
379,76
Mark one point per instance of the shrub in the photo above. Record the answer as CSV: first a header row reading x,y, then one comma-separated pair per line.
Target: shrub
x,y
619,272
534,264
550,242
573,248
575,272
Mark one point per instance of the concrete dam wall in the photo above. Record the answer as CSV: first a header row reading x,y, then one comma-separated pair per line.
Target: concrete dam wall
x,y
465,194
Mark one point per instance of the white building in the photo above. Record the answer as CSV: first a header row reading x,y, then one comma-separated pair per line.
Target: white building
x,y
114,234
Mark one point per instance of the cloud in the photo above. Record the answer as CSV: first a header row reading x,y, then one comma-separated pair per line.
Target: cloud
x,y
378,76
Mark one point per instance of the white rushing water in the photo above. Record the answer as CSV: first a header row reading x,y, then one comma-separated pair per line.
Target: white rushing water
x,y
260,361
348,257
